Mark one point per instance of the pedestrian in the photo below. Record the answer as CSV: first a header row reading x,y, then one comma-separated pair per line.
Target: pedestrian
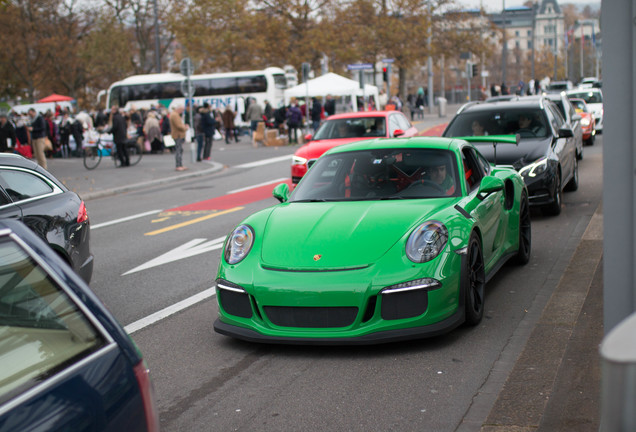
x,y
65,133
198,131
330,105
178,131
228,124
208,124
38,136
280,116
7,134
254,114
316,112
152,132
294,120
269,111
119,129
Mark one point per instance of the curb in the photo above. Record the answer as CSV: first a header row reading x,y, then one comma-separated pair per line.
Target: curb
x,y
216,167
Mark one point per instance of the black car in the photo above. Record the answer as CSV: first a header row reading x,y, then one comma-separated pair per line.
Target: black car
x,y
545,155
57,215
65,362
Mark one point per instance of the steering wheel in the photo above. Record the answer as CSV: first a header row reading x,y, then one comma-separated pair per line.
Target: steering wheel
x,y
427,183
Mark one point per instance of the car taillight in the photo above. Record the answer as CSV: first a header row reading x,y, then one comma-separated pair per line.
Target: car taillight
x,y
82,214
147,395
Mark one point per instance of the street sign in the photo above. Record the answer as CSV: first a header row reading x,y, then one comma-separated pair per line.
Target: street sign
x,y
388,60
187,88
360,66
186,67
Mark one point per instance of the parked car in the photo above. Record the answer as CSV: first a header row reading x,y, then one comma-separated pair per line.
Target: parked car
x,y
396,239
65,362
559,86
545,155
593,97
342,129
571,117
587,121
57,215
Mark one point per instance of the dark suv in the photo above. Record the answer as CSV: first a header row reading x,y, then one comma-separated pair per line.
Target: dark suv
x,y
545,155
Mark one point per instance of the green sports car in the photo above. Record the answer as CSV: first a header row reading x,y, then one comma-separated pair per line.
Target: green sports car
x,y
381,241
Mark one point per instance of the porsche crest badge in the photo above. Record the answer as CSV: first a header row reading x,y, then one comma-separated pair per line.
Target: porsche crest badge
x,y
317,257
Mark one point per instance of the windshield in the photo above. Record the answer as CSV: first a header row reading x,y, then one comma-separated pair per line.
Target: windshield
x,y
380,174
529,123
579,105
368,127
588,96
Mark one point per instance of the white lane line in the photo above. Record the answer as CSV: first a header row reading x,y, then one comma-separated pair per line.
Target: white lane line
x,y
264,162
170,310
113,222
282,179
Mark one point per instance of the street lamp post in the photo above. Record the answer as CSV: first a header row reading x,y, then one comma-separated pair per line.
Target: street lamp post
x,y
504,49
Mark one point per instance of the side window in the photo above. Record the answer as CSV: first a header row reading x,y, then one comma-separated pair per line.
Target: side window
x,y
473,170
555,118
403,122
393,125
21,185
42,329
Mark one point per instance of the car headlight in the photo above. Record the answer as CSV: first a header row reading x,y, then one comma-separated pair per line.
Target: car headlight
x,y
297,160
535,168
238,244
426,241
585,121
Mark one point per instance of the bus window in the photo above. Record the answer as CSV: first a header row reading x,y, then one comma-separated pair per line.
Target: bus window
x,y
222,86
280,81
252,84
170,90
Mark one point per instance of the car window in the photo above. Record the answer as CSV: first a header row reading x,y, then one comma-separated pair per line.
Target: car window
x,y
403,122
42,331
359,127
380,174
500,121
588,96
473,169
393,125
21,185
555,118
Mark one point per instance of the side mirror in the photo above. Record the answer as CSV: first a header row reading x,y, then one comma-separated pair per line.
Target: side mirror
x,y
281,192
398,133
490,184
565,132
308,138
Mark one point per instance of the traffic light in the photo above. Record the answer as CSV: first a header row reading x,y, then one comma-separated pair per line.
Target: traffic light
x,y
475,70
385,76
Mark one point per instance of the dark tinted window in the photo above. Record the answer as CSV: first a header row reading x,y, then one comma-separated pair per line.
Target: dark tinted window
x,y
500,121
20,185
280,81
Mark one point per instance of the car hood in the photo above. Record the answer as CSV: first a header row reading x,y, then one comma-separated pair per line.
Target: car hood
x,y
528,150
315,149
339,235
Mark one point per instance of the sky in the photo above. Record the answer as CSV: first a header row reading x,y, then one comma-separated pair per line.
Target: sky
x,y
497,5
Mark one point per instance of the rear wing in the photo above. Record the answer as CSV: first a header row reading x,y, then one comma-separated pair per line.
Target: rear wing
x,y
494,139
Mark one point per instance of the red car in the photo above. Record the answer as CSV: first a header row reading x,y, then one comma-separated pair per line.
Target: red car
x,y
341,129
588,124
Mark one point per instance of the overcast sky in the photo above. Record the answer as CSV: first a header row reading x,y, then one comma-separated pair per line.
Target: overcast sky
x,y
497,5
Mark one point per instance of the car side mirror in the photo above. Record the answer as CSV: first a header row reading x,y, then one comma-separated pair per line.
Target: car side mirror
x,y
565,132
490,184
308,138
398,132
281,192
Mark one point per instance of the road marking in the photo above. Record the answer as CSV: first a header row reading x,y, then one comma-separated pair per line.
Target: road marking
x,y
282,179
189,249
264,162
193,221
137,216
170,310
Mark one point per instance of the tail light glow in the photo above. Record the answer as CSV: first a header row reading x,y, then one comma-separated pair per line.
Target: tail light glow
x,y
82,214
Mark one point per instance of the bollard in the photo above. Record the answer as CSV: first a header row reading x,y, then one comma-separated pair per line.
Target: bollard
x,y
618,380
441,105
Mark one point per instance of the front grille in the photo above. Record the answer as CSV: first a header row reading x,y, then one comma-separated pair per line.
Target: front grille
x,y
311,317
405,304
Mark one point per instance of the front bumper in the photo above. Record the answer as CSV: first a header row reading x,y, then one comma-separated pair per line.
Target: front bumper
x,y
541,188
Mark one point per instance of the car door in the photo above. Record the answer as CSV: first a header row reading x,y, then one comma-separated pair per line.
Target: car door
x,y
489,211
574,119
564,148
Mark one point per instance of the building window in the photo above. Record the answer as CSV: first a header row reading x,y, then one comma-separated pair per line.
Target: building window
x,y
529,33
517,33
517,44
529,44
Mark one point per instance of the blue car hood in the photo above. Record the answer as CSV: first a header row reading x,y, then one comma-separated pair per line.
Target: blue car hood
x,y
343,234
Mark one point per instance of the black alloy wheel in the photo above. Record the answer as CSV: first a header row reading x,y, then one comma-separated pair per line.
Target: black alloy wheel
x,y
476,289
573,184
525,232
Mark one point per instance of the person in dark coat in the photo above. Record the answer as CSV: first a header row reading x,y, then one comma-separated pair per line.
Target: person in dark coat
x,y
208,124
120,135
316,111
228,124
38,136
330,106
7,132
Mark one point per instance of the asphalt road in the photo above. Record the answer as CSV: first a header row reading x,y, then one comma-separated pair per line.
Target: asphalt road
x,y
170,250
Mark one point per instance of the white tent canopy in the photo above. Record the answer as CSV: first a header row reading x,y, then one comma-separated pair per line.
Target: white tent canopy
x,y
332,84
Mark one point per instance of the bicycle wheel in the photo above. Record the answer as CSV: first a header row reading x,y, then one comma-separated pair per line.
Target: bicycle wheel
x,y
134,153
92,157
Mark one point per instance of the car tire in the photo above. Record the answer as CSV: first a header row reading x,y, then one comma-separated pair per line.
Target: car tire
x,y
579,153
554,208
590,141
475,291
525,233
573,184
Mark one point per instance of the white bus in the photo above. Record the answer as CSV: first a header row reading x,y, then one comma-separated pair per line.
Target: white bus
x,y
219,89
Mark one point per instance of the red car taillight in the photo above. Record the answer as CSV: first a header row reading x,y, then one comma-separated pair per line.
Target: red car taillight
x,y
147,395
82,214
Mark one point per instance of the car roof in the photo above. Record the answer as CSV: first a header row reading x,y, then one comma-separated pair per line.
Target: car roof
x,y
519,102
439,143
360,114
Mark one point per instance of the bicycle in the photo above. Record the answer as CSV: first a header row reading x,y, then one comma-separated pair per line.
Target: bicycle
x,y
93,153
